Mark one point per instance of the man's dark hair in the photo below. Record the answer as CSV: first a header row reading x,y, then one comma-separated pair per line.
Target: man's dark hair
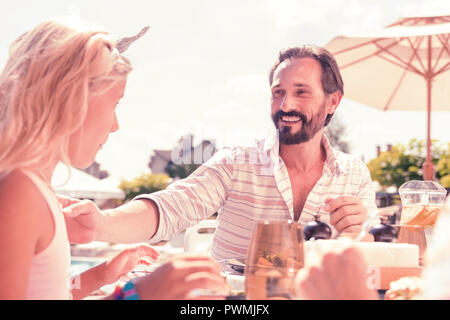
x,y
331,77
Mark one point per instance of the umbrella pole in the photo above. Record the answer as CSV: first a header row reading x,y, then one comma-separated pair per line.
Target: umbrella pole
x,y
427,167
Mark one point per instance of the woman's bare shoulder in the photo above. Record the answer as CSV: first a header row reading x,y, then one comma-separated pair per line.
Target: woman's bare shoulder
x,y
22,231
20,197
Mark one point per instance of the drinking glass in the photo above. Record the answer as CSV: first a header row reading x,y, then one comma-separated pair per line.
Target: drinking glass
x,y
421,202
275,256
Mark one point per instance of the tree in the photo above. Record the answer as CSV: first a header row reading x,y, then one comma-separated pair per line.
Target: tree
x,y
443,167
144,184
180,171
335,131
404,163
185,158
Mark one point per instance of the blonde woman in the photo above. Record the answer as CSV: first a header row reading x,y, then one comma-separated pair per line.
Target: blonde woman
x,y
58,94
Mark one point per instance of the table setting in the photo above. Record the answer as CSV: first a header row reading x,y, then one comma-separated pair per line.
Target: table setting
x,y
394,254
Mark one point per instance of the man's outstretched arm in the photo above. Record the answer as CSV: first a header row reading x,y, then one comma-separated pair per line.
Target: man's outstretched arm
x,y
156,216
136,221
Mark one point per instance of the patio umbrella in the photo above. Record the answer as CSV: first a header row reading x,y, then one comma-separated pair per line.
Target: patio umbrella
x,y
84,186
403,66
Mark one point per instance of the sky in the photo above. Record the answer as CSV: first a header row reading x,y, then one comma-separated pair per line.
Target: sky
x,y
203,68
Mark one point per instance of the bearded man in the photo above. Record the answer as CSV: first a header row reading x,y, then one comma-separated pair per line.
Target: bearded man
x,y
292,175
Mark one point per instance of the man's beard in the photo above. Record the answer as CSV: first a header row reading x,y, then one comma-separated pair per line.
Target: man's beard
x,y
305,133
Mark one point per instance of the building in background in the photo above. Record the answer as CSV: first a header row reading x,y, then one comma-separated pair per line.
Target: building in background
x,y
159,161
94,170
182,160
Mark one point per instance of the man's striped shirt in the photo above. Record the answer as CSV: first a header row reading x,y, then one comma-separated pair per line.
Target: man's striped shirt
x,y
247,184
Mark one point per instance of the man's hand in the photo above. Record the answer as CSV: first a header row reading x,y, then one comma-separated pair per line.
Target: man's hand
x,y
347,214
82,219
339,273
65,201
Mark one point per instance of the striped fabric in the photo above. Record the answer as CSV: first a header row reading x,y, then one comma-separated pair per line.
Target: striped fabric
x,y
246,184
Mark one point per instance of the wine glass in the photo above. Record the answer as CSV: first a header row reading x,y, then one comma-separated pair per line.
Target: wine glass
x,y
275,255
367,224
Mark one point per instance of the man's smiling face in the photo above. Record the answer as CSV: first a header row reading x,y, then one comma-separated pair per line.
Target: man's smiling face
x,y
299,104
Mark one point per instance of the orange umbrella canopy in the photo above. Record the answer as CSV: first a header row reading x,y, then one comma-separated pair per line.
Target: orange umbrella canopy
x,y
401,67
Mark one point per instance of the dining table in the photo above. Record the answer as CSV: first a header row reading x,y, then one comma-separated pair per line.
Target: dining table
x,y
233,271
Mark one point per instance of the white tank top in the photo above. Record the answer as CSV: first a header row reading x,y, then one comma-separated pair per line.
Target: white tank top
x,y
50,269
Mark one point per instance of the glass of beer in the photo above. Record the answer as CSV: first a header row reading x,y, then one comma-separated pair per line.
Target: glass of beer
x,y
274,258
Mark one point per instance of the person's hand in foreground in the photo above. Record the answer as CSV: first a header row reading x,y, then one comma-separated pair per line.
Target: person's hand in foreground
x,y
347,214
337,274
180,277
111,270
82,219
126,260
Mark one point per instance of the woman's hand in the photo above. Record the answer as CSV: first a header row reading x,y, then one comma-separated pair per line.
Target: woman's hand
x,y
125,261
178,278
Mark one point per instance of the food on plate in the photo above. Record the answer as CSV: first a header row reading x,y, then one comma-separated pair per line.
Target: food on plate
x,y
406,288
278,261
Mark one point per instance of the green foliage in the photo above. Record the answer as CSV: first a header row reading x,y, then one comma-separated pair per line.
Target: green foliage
x,y
336,132
146,183
443,167
404,163
180,171
445,181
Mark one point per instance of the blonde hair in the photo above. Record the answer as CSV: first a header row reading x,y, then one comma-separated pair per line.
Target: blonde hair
x,y
51,73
